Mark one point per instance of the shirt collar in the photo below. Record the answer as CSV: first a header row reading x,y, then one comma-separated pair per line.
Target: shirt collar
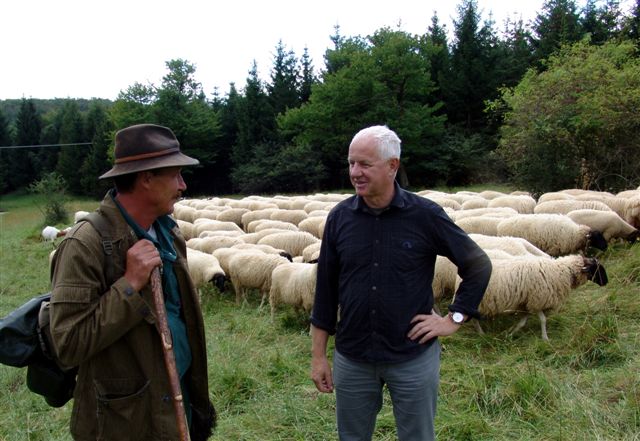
x,y
399,200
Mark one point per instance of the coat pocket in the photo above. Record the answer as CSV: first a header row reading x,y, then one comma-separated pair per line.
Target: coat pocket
x,y
123,408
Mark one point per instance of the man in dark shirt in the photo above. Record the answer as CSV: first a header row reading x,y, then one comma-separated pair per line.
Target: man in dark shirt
x,y
374,292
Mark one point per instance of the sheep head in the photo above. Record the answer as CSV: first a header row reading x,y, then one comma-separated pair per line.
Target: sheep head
x,y
218,280
595,271
596,239
633,236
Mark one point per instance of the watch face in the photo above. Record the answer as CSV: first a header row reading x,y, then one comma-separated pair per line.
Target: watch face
x,y
457,317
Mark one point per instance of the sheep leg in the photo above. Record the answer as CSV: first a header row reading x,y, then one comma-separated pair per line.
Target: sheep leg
x,y
436,309
543,325
476,324
519,325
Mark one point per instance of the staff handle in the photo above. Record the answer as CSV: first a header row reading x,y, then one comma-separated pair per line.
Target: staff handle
x,y
167,351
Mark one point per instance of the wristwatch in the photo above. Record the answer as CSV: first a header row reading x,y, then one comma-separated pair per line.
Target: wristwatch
x,y
457,317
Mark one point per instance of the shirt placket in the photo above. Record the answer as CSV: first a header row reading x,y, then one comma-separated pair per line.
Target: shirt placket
x,y
374,298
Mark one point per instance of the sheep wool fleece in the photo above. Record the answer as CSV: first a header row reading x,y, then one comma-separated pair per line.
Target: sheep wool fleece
x,y
108,331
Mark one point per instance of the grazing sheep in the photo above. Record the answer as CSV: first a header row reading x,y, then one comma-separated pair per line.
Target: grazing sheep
x,y
495,212
311,252
187,229
490,194
516,246
250,216
226,233
267,249
252,269
205,268
291,216
609,223
255,237
293,242
555,234
536,285
628,193
444,201
212,243
205,224
565,206
314,225
485,224
521,203
233,215
184,212
293,284
474,202
444,279
263,224
554,196
627,208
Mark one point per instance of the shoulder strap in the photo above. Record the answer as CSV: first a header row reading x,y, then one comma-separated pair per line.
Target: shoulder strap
x,y
100,224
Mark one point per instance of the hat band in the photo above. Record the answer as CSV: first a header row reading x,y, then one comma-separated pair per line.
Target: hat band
x,y
147,155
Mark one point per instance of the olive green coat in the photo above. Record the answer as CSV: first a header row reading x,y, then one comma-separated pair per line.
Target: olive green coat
x,y
108,330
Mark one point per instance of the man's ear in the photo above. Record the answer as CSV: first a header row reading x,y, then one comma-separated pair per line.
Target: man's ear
x,y
394,164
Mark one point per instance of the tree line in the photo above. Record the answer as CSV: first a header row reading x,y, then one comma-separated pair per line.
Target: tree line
x,y
547,104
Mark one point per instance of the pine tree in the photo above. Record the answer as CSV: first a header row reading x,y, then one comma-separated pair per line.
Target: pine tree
x,y
71,157
558,24
307,77
99,128
24,161
283,89
5,141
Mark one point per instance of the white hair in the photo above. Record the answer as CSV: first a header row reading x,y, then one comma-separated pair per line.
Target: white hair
x,y
387,142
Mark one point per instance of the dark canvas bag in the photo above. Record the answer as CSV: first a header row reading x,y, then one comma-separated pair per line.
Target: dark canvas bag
x,y
25,336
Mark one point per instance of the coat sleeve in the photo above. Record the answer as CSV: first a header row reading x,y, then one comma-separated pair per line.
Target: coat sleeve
x,y
86,314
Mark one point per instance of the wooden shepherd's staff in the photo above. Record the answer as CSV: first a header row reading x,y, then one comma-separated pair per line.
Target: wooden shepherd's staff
x,y
167,350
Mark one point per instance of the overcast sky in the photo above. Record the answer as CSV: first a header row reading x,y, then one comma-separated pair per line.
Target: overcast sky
x,y
85,49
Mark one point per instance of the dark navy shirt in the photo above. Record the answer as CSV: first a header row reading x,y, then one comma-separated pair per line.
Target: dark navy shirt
x,y
376,268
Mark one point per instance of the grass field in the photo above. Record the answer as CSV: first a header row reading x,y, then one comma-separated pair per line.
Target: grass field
x,y
584,384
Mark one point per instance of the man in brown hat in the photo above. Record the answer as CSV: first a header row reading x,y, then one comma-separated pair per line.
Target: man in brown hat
x,y
101,308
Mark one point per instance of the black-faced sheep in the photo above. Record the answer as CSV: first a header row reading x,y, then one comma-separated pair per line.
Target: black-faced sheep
x,y
205,268
555,234
293,242
532,285
609,223
293,284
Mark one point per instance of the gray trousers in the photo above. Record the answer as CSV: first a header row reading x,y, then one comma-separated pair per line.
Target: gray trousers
x,y
413,386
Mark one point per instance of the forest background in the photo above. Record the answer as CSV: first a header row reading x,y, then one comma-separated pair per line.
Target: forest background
x,y
543,105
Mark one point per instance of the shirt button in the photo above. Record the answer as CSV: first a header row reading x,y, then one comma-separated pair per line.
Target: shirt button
x,y
373,312
377,241
375,263
374,287
128,291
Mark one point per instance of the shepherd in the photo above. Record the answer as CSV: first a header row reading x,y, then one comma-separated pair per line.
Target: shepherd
x,y
107,322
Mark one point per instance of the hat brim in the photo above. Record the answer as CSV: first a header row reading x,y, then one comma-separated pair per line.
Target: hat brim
x,y
173,160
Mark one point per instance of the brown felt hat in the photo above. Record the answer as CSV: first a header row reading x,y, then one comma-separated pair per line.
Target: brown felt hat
x,y
146,147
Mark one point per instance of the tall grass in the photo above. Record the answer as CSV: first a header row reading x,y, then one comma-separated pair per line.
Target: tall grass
x,y
582,385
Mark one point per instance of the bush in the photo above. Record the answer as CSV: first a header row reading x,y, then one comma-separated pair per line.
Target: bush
x,y
51,190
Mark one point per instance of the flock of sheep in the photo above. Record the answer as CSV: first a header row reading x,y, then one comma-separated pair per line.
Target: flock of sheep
x,y
539,248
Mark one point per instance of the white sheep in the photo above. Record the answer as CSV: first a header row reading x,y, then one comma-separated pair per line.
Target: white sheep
x,y
533,285
521,203
292,216
212,243
205,268
554,196
565,206
609,223
474,202
267,249
445,274
293,284
187,229
232,215
252,269
255,237
495,212
491,194
480,224
627,208
314,225
263,224
516,246
250,216
444,201
184,212
311,252
205,224
79,215
555,234
293,242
